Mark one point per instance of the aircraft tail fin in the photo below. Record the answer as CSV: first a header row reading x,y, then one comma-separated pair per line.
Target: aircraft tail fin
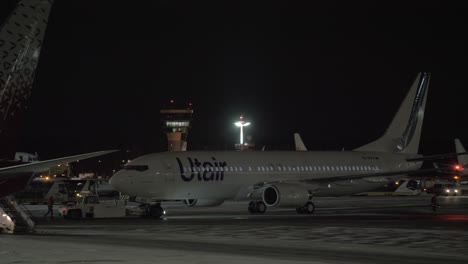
x,y
21,37
404,133
462,159
299,143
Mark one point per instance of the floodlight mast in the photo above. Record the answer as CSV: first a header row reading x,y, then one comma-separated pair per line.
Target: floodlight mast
x,y
242,124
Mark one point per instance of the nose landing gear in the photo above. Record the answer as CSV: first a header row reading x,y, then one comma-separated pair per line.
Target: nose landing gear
x,y
153,210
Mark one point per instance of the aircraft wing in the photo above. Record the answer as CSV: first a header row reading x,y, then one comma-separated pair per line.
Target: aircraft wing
x,y
15,178
45,165
435,157
347,177
372,175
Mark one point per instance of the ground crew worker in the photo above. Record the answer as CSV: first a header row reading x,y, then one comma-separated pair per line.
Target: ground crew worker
x,y
434,202
50,206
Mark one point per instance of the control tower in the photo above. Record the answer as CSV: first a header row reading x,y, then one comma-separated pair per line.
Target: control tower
x,y
176,121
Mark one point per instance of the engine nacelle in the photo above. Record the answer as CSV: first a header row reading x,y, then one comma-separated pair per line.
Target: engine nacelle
x,y
203,202
285,195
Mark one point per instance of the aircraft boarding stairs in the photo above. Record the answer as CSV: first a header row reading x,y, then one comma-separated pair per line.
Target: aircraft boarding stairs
x,y
21,216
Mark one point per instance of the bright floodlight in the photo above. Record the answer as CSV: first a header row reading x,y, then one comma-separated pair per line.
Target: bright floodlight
x,y
242,124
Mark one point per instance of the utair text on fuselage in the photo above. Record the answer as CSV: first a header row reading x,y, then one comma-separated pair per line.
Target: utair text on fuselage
x,y
205,170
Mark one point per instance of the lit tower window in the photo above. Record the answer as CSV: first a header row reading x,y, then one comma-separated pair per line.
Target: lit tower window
x,y
176,120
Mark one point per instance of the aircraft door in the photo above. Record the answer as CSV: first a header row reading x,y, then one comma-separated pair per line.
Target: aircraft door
x,y
168,171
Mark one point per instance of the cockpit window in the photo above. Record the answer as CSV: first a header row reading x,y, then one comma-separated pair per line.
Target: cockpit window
x,y
136,167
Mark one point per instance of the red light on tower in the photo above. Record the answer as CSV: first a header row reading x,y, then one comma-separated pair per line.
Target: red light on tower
x,y
458,167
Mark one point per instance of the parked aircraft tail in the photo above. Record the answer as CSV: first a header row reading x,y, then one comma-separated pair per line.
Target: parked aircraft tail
x,y
299,143
462,159
21,37
404,133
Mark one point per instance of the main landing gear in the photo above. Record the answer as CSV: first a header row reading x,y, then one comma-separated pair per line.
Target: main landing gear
x,y
307,208
257,207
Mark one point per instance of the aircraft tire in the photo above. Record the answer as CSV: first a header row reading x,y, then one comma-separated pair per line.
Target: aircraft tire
x,y
155,211
309,208
252,208
261,207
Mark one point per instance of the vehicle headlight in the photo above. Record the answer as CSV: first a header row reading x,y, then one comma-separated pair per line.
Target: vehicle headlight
x,y
456,191
447,190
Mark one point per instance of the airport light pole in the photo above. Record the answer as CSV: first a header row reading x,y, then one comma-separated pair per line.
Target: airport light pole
x,y
242,124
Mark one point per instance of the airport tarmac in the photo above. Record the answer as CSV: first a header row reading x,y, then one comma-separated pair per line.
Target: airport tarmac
x,y
343,230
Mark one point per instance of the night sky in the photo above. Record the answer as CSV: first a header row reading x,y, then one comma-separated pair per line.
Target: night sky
x,y
334,73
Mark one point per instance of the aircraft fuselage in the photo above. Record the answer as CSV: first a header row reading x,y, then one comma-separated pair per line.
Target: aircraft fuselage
x,y
233,175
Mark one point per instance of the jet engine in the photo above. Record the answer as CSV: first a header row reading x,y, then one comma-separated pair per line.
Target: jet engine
x,y
285,195
202,202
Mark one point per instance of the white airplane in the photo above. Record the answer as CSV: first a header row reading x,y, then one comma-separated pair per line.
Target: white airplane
x,y
21,39
280,178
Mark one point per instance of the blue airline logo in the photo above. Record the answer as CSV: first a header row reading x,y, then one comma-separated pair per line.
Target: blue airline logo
x,y
212,171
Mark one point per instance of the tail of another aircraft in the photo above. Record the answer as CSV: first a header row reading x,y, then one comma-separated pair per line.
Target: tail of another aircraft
x,y
21,37
299,143
404,132
462,159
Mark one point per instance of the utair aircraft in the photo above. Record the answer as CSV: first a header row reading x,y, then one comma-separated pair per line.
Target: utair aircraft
x,y
280,178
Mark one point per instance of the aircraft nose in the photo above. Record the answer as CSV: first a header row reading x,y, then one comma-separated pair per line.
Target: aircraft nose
x,y
118,181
